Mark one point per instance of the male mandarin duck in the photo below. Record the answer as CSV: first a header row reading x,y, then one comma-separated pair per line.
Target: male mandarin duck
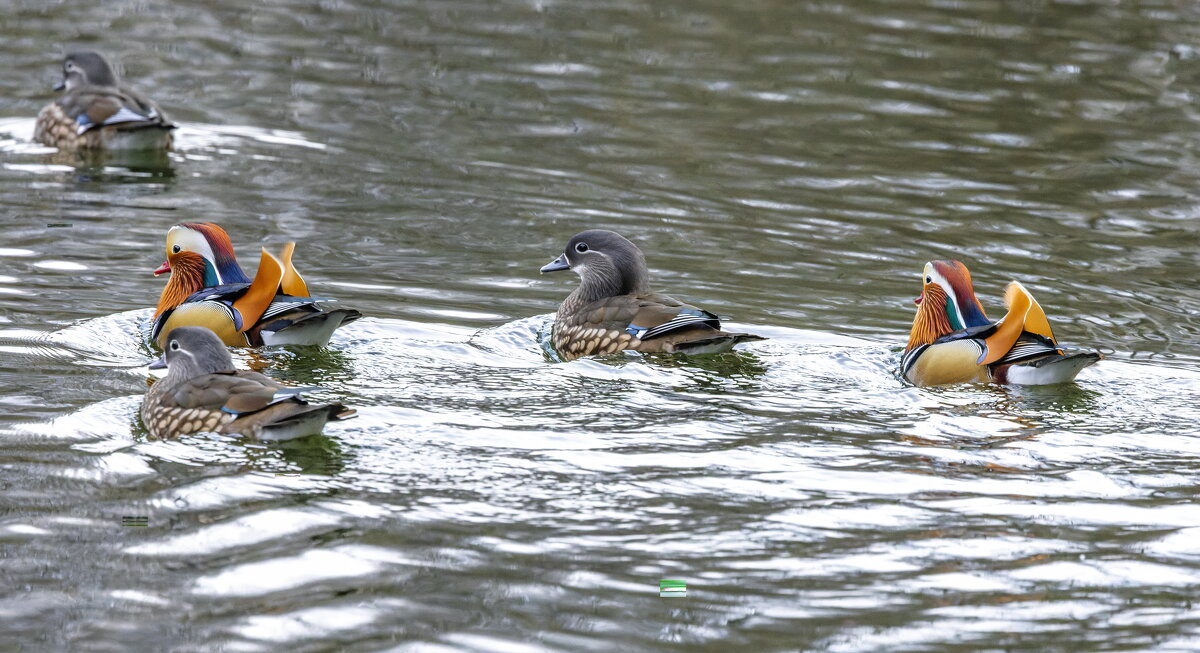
x,y
202,392
613,309
953,341
209,289
98,112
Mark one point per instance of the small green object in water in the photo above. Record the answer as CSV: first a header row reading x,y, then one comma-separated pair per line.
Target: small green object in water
x,y
672,588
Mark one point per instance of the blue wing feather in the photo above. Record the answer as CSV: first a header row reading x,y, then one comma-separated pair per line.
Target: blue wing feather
x,y
124,114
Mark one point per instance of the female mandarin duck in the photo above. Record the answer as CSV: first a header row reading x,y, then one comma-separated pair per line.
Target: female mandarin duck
x,y
614,309
202,392
209,289
952,340
98,112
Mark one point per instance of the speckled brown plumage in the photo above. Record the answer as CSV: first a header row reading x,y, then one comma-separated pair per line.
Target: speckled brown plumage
x,y
203,393
166,420
56,129
613,310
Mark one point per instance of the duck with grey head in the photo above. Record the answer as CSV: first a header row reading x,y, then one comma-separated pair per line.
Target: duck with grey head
x,y
98,112
202,392
614,309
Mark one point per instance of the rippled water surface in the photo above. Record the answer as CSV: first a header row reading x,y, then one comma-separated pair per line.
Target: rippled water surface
x,y
789,165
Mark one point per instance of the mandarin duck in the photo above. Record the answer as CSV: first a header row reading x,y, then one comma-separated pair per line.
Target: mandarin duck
x,y
98,112
953,341
613,309
209,289
202,392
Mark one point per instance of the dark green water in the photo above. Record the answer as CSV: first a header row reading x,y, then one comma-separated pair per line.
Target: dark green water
x,y
789,165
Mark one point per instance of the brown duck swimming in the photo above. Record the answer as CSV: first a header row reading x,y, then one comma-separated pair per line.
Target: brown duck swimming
x,y
97,112
202,392
614,309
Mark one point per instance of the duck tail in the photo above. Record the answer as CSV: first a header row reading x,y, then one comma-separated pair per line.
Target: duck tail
x,y
309,324
1056,368
715,344
307,420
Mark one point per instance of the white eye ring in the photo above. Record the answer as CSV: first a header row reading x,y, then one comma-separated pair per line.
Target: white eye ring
x,y
581,247
174,345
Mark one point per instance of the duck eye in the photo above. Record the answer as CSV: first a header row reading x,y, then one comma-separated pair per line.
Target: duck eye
x,y
581,248
176,249
174,345
927,279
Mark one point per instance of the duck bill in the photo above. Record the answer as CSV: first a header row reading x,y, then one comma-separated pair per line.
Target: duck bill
x,y
163,269
557,264
917,301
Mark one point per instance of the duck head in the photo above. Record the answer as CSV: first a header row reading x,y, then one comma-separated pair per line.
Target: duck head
x,y
608,265
86,67
199,255
947,303
194,351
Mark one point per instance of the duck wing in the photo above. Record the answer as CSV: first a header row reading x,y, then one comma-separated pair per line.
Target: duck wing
x,y
233,391
644,317
93,107
1024,315
651,322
